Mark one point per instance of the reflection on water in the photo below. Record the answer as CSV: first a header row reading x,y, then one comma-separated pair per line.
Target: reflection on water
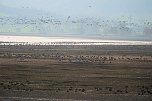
x,y
28,40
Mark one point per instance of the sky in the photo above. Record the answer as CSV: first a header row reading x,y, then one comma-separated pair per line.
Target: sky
x,y
96,8
139,10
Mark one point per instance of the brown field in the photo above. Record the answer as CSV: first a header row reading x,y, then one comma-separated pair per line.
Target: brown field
x,y
75,73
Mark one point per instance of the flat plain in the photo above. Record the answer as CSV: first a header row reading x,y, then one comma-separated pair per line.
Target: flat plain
x,y
75,72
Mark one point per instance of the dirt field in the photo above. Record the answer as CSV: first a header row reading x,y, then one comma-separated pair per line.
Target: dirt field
x,y
75,73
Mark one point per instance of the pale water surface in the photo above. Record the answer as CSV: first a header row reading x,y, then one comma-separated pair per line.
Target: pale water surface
x,y
32,40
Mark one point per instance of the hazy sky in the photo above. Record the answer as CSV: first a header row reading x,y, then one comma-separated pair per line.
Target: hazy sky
x,y
111,8
136,13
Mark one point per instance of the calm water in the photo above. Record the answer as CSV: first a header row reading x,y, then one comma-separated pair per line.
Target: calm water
x,y
31,40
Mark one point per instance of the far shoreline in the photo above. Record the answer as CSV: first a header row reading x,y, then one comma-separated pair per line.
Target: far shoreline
x,y
66,35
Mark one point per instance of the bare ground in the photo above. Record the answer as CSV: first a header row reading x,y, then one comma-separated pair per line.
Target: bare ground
x,y
62,73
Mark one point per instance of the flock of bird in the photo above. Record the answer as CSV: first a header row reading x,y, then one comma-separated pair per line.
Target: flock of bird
x,y
23,86
46,24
